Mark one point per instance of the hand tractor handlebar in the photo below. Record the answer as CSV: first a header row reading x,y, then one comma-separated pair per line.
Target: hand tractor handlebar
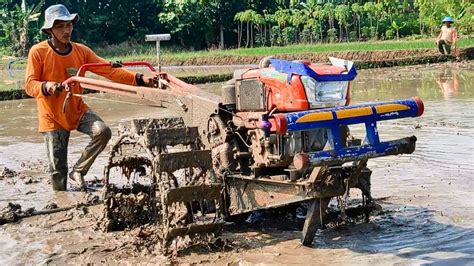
x,y
88,67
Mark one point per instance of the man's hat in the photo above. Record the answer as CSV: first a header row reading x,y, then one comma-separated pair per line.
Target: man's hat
x,y
57,13
448,19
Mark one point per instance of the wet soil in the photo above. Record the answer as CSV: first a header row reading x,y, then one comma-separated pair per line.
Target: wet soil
x,y
427,213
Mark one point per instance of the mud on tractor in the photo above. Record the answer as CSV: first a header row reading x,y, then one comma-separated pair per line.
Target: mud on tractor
x,y
278,135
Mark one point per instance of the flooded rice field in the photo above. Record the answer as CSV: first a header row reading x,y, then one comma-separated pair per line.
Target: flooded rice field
x,y
427,197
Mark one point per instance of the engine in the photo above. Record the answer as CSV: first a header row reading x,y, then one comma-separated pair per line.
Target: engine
x,y
253,96
279,150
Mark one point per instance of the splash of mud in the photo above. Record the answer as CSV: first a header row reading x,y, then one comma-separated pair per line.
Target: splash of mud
x,y
13,213
5,172
35,165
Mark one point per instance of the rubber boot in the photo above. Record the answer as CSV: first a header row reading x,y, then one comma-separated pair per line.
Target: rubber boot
x,y
59,181
78,179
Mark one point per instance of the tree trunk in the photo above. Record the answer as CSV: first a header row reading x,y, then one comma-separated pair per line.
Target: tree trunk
x,y
340,32
347,34
421,26
270,34
221,44
358,24
264,35
239,34
23,38
251,35
321,30
377,29
248,36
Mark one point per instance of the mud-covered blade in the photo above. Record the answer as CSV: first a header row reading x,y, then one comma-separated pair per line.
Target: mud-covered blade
x,y
194,193
194,229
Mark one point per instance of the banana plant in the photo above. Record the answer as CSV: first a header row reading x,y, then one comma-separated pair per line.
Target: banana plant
x,y
397,27
15,24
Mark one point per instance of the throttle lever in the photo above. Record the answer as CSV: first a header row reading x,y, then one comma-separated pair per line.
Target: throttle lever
x,y
68,96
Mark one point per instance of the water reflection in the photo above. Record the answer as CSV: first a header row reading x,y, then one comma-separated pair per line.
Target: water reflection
x,y
435,82
448,82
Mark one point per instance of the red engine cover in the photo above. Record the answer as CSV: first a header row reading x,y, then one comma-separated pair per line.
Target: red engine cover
x,y
282,95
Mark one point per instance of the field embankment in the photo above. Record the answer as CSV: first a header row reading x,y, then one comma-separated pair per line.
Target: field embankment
x,y
363,59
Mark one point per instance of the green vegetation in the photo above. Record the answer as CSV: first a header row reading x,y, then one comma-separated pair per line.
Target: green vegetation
x,y
171,56
212,24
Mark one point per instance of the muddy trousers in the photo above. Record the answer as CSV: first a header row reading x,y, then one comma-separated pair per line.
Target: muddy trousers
x,y
444,47
57,143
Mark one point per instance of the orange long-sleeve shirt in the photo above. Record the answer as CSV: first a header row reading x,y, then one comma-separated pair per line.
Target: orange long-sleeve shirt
x,y
46,64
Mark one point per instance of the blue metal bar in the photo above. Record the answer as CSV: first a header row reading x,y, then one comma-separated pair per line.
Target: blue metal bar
x,y
394,147
333,118
372,134
347,115
334,138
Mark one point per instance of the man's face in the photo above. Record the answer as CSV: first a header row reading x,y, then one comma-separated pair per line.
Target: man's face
x,y
62,31
448,24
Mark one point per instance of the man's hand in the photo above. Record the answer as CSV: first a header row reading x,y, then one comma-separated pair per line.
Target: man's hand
x,y
147,80
53,88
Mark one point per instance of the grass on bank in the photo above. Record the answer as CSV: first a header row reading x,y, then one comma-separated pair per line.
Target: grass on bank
x,y
143,53
129,51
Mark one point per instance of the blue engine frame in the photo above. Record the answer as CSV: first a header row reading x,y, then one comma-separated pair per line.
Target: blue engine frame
x,y
369,114
292,67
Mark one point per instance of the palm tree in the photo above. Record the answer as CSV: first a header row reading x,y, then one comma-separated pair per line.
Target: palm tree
x,y
319,15
297,19
250,17
259,21
239,18
315,13
282,16
369,10
379,13
342,15
357,10
328,10
269,21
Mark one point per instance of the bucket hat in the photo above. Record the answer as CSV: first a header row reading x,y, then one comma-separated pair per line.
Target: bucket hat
x,y
448,19
57,13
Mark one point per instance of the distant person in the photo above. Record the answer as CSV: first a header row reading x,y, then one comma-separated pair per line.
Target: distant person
x,y
50,63
448,37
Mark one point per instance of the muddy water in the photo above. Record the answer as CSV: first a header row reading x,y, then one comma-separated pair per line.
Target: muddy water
x,y
427,214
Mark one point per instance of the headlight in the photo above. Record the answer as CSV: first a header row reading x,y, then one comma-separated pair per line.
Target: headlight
x,y
325,94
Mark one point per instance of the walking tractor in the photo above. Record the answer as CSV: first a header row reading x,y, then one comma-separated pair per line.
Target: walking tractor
x,y
277,136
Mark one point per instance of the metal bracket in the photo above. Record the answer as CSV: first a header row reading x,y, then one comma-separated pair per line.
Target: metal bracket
x,y
158,38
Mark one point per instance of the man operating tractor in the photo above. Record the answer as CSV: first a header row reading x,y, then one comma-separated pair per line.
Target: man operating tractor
x,y
50,62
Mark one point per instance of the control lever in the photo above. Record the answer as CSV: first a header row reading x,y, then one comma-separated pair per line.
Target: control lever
x,y
68,96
